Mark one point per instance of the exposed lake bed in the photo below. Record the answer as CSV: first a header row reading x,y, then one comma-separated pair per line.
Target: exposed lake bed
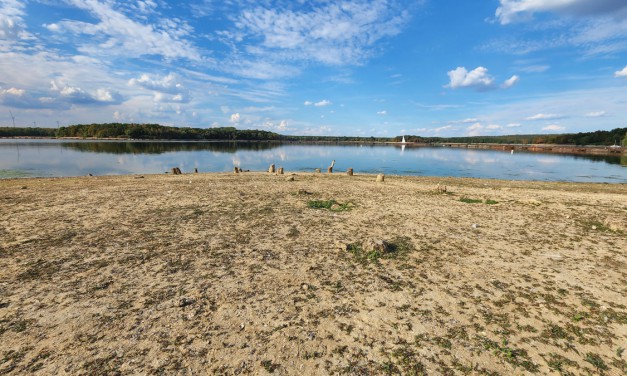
x,y
234,273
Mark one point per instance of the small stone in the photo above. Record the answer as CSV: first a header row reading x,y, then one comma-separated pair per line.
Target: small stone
x,y
304,286
594,227
475,226
184,302
24,187
242,326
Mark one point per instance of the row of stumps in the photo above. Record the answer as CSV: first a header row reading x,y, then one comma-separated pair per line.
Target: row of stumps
x,y
177,171
280,171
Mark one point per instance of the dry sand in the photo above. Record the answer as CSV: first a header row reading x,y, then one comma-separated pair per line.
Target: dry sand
x,y
236,274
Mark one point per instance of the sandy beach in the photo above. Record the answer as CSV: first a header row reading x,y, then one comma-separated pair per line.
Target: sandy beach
x,y
327,274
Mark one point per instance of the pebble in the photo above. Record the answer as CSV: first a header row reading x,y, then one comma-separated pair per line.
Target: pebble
x,y
475,226
184,302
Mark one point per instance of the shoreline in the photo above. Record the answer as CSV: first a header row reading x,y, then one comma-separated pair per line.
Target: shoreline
x,y
532,148
327,274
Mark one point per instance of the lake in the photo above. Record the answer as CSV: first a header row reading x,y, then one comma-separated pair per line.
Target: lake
x,y
54,158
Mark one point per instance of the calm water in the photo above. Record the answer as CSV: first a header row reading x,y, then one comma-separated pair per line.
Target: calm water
x,y
30,158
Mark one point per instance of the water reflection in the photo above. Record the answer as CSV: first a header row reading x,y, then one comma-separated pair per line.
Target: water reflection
x,y
132,147
74,158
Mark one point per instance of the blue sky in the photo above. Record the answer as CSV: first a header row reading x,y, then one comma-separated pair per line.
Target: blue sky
x,y
357,67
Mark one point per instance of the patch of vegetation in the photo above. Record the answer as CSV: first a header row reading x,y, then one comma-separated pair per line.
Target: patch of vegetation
x,y
515,357
395,248
470,200
293,232
467,200
331,205
269,366
596,361
559,363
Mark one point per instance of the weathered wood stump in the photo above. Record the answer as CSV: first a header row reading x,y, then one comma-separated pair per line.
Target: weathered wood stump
x,y
271,169
195,170
330,168
349,172
380,178
236,170
441,188
280,172
176,171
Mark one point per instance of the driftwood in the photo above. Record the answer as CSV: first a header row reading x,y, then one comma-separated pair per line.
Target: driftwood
x,y
271,169
349,172
380,178
330,168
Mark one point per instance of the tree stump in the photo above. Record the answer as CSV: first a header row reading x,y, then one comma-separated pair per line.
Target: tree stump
x,y
330,169
349,172
380,178
271,169
236,170
176,171
280,172
195,170
317,170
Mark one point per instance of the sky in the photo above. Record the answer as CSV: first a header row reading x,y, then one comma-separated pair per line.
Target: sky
x,y
318,67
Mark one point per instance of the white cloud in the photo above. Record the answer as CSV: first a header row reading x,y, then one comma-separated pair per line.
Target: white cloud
x,y
595,114
510,82
326,32
282,125
322,103
477,78
513,125
544,117
621,73
167,88
235,118
553,128
493,127
11,20
116,34
77,95
521,10
165,84
382,113
464,121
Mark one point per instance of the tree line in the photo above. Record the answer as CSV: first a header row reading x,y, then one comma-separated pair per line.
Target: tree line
x,y
160,132
600,138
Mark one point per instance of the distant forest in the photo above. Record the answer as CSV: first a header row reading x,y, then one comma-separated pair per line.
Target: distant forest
x,y
159,132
